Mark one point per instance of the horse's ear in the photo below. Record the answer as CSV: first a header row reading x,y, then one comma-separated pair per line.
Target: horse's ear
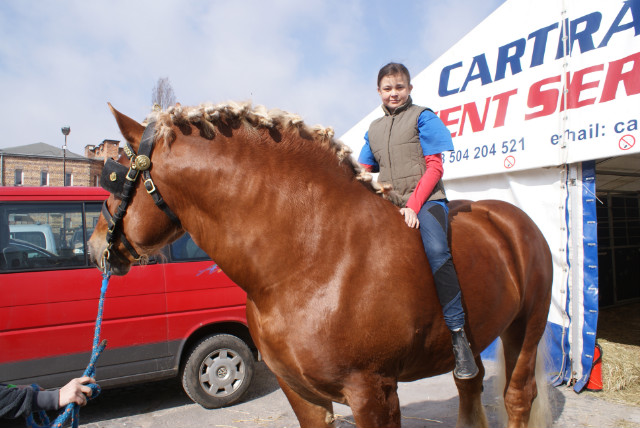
x,y
131,130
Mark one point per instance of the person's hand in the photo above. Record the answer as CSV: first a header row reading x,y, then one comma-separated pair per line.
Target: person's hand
x,y
410,217
76,391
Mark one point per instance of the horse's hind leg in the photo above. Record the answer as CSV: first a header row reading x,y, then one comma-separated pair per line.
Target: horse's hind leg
x,y
520,342
470,410
309,415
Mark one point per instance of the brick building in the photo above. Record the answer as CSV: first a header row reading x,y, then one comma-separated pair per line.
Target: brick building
x,y
41,164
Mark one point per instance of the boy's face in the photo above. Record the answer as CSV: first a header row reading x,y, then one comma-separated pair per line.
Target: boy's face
x,y
394,91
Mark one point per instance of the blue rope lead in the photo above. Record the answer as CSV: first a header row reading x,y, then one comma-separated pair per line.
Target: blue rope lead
x,y
73,409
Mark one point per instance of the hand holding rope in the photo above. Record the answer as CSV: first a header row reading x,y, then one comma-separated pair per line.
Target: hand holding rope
x,y
72,409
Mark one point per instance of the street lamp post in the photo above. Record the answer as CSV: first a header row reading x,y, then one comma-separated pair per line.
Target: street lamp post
x,y
65,131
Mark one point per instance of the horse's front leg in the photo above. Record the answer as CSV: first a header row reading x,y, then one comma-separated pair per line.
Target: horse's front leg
x,y
373,400
309,415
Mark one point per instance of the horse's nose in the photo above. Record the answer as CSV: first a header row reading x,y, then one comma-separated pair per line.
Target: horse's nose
x,y
96,248
92,258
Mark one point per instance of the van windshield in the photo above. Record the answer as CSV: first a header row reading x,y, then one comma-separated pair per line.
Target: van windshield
x,y
34,237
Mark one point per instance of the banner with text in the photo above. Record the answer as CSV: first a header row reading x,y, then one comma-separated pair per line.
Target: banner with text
x,y
536,84
539,84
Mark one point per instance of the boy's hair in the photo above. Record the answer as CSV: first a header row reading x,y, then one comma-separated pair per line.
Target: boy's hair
x,y
391,69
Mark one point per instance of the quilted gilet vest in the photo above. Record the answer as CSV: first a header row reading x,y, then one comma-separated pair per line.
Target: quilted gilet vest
x,y
395,143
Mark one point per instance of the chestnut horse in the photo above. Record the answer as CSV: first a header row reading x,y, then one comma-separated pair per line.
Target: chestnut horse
x,y
341,302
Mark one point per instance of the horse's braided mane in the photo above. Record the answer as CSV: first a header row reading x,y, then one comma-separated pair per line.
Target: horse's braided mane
x,y
206,116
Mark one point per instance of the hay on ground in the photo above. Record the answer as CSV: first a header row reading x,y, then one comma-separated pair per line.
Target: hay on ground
x,y
620,373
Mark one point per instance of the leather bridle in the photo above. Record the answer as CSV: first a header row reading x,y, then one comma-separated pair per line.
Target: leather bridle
x,y
121,181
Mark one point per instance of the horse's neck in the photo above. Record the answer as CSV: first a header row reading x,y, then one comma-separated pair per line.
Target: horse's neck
x,y
252,208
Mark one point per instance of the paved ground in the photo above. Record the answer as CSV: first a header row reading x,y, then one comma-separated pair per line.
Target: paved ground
x,y
426,403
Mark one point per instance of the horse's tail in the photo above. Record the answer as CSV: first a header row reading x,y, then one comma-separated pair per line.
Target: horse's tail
x,y
541,412
541,415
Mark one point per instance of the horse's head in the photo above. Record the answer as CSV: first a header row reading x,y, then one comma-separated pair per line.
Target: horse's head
x,y
135,221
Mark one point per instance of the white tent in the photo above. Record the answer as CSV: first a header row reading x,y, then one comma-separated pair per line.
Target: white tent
x,y
533,96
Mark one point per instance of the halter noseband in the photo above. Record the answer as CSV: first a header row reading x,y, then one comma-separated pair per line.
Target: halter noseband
x,y
120,181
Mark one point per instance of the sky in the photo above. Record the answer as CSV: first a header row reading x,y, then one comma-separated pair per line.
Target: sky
x,y
62,61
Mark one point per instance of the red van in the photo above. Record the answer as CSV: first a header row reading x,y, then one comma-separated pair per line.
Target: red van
x,y
177,315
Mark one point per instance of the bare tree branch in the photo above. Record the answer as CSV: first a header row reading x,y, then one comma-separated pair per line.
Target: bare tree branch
x,y
162,94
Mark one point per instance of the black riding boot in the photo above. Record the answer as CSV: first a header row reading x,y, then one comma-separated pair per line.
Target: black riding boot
x,y
466,367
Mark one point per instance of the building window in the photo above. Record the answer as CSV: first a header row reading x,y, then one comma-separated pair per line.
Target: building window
x,y
44,178
68,179
19,178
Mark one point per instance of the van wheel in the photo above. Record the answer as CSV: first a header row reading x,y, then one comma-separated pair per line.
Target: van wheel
x,y
218,371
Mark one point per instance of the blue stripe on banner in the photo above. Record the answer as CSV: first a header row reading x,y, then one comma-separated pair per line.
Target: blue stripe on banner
x,y
490,354
590,271
557,364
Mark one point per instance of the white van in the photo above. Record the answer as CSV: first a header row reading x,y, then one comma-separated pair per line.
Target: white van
x,y
36,234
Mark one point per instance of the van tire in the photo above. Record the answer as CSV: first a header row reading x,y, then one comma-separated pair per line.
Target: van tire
x,y
218,371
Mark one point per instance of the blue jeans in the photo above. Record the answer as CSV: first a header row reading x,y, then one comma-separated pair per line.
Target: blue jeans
x,y
434,223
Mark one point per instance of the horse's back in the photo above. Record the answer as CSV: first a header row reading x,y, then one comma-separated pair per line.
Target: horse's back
x,y
503,262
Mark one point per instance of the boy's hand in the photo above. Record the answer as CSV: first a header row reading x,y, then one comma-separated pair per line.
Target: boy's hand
x,y
76,391
410,217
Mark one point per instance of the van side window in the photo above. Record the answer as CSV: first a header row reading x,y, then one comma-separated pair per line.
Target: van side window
x,y
42,236
184,249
